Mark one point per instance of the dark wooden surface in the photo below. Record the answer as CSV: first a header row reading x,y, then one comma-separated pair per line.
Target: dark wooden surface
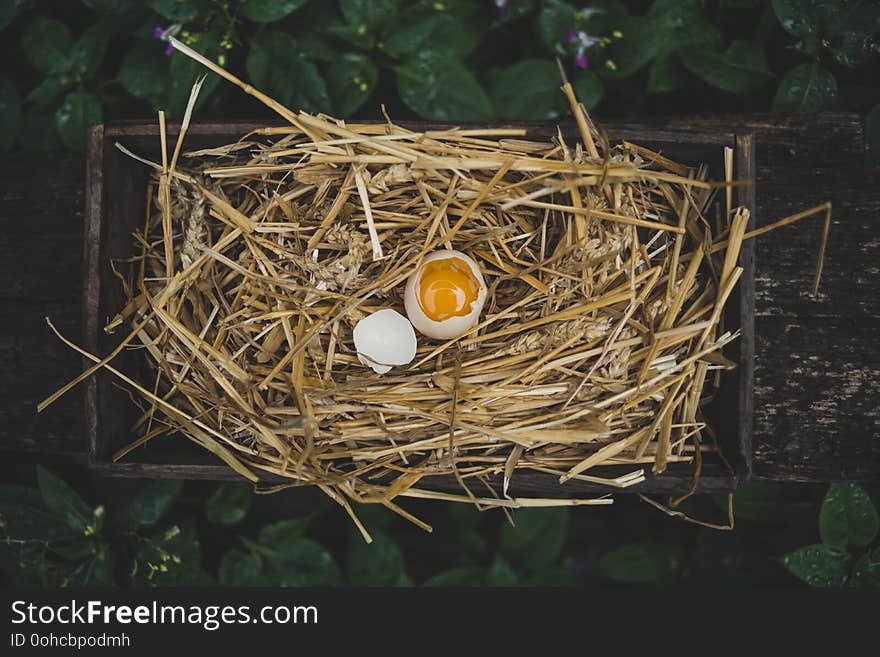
x,y
817,374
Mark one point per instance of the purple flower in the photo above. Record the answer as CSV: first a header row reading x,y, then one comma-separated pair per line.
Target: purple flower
x,y
571,36
581,61
163,34
501,6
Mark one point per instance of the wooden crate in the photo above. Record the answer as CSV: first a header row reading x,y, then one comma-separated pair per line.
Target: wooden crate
x,y
115,206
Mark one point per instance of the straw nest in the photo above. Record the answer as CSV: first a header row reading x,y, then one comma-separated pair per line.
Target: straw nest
x,y
608,270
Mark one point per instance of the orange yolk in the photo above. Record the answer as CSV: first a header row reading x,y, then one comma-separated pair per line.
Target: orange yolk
x,y
447,289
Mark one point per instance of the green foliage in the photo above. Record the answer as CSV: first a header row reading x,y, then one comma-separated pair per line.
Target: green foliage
x,y
170,558
741,68
528,90
176,10
276,65
351,79
269,11
148,507
64,502
805,88
46,43
867,570
420,29
379,563
442,89
155,534
818,565
448,61
537,537
848,517
228,504
643,562
847,520
79,110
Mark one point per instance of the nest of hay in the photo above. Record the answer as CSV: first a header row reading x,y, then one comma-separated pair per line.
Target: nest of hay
x,y
608,271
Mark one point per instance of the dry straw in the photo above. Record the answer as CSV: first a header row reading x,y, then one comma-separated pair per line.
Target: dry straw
x,y
607,285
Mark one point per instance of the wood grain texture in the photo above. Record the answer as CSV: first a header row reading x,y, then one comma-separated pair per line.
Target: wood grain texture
x,y
817,369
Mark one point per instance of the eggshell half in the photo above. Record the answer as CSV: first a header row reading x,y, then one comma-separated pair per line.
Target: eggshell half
x,y
384,339
452,327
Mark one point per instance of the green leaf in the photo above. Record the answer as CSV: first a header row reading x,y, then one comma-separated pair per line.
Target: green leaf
x,y
805,88
379,563
23,516
465,576
76,551
369,15
297,84
45,93
96,570
424,29
501,574
10,112
302,562
185,71
269,11
818,565
588,88
315,48
441,89
555,576
80,110
742,68
538,536
88,52
46,44
528,91
641,562
154,501
279,534
113,7
772,503
180,11
62,500
9,9
229,503
666,74
846,27
172,558
799,18
668,26
872,139
847,517
513,10
351,78
867,570
144,73
554,21
240,568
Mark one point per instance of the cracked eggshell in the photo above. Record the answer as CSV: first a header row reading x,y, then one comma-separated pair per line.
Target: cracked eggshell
x,y
384,339
452,327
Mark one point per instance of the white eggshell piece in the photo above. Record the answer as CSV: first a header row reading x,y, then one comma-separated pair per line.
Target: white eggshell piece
x,y
384,339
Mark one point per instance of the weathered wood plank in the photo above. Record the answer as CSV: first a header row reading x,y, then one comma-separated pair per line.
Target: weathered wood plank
x,y
817,376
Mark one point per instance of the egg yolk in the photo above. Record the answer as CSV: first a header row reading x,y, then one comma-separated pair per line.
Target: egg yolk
x,y
447,288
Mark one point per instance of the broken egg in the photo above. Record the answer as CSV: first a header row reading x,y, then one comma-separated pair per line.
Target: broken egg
x,y
384,339
445,295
